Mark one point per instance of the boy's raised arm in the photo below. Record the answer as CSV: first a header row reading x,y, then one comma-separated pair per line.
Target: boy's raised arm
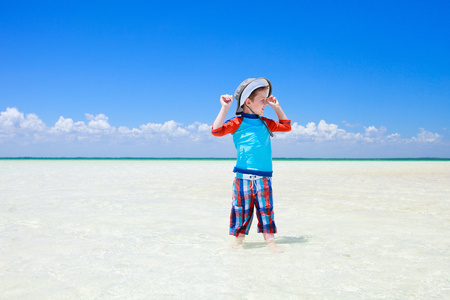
x,y
273,102
226,101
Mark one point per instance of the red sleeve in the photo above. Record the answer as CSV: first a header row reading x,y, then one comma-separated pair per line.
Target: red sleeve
x,y
229,126
280,126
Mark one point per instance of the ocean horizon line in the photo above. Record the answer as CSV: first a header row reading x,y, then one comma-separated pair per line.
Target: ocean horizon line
x,y
228,158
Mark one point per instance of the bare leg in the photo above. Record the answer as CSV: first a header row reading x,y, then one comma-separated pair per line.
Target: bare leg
x,y
270,240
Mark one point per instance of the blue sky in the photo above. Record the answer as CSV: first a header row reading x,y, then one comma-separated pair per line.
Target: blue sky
x,y
143,78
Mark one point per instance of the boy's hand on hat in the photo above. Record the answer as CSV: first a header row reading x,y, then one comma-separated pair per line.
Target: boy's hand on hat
x,y
226,100
273,102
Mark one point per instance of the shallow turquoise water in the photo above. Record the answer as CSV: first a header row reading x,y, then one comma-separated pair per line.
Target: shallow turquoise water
x,y
139,229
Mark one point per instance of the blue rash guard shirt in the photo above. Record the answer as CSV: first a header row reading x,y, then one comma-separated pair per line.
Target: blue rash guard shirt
x,y
254,150
252,142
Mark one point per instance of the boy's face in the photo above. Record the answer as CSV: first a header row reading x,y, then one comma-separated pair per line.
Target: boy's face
x,y
258,104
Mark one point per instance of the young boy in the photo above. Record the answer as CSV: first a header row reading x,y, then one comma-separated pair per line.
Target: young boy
x,y
252,186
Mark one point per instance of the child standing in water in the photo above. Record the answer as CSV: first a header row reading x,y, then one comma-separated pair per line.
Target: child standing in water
x,y
252,186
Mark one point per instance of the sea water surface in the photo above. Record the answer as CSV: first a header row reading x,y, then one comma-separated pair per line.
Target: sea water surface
x,y
146,229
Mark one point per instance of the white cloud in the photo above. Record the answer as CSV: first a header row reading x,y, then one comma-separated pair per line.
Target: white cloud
x,y
98,123
393,137
14,123
170,128
32,122
200,127
123,130
425,136
65,125
12,119
322,132
167,132
27,129
373,134
350,125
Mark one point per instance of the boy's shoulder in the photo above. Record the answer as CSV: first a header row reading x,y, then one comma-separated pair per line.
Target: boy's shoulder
x,y
229,126
267,119
280,126
236,119
233,124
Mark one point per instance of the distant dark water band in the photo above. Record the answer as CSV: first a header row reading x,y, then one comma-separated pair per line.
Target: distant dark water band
x,y
220,159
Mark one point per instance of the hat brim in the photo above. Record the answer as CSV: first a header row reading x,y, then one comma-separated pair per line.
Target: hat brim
x,y
249,88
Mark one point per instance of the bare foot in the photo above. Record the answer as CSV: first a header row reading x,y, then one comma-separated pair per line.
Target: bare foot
x,y
273,247
237,242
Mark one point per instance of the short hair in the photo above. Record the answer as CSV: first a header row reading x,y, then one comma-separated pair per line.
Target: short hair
x,y
256,91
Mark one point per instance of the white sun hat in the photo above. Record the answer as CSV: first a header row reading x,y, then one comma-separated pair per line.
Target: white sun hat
x,y
246,88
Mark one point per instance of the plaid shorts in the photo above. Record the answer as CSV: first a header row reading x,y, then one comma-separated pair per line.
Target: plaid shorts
x,y
248,194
